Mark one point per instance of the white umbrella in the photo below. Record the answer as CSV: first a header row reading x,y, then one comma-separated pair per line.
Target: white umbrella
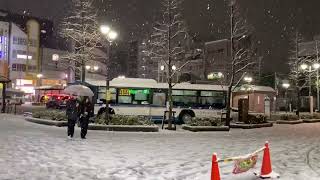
x,y
79,90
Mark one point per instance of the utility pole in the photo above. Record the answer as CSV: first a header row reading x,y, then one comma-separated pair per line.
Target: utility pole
x,y
107,115
318,94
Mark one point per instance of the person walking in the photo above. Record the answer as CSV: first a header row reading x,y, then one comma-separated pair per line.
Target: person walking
x,y
72,113
86,113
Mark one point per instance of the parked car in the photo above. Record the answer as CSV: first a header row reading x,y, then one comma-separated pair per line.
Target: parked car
x,y
57,101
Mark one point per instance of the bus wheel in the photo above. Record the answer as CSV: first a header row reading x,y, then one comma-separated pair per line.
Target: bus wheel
x,y
186,117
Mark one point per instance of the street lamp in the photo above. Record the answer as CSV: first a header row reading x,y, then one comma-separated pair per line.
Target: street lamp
x,y
174,67
88,67
110,36
248,79
39,76
316,66
95,68
215,76
286,87
105,29
308,68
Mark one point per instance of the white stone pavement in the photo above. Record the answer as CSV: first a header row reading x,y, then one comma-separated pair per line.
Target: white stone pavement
x,y
37,152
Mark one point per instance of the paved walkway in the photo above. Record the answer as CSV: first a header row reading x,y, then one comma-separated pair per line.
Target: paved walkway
x,y
31,151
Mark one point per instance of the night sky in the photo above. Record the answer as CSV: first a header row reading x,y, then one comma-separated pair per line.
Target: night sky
x,y
274,20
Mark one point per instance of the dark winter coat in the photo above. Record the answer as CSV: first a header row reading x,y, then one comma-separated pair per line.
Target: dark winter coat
x,y
87,109
72,109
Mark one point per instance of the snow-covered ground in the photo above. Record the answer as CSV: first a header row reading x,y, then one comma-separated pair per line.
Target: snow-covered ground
x,y
30,151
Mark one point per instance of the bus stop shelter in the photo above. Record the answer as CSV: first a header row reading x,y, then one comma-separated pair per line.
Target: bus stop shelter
x,y
3,86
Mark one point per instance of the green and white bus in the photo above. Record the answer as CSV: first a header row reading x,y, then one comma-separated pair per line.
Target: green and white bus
x,y
146,97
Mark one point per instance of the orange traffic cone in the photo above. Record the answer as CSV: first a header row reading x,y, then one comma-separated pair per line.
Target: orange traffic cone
x,y
266,169
215,173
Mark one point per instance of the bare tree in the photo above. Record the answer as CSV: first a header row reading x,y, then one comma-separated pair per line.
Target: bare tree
x,y
82,29
168,45
242,52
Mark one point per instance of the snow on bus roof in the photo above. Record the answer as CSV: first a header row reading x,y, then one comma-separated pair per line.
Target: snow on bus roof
x,y
151,83
188,86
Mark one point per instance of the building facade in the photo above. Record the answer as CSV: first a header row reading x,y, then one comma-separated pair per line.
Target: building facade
x,y
217,59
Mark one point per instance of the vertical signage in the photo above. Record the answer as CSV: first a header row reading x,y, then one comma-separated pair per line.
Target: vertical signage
x,y
4,37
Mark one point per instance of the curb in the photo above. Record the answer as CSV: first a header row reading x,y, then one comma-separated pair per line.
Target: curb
x,y
47,122
251,126
205,128
289,122
127,128
311,120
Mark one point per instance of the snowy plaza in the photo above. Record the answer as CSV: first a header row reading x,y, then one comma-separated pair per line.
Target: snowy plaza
x,y
32,151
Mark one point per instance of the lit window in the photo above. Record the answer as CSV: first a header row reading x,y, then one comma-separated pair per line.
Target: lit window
x,y
22,56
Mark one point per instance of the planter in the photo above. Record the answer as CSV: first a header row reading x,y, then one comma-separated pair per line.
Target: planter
x,y
205,128
311,120
47,122
127,128
290,122
250,126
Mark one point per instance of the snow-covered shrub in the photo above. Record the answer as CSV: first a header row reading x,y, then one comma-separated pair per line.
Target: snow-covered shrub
x,y
256,119
124,120
289,117
213,121
50,115
310,116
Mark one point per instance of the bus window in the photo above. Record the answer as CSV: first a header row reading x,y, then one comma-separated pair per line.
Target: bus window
x,y
215,100
125,99
159,99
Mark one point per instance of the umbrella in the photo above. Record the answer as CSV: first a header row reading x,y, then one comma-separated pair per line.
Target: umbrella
x,y
79,90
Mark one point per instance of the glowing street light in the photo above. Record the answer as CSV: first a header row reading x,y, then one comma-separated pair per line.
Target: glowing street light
x,y
105,29
248,79
174,67
88,67
112,35
39,76
96,68
162,68
304,66
316,65
286,85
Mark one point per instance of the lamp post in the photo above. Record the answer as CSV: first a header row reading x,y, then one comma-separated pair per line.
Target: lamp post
x,y
160,73
308,68
316,66
39,76
286,87
110,36
249,80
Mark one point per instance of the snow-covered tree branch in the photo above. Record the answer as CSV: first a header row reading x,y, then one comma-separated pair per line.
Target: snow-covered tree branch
x,y
243,52
168,44
81,28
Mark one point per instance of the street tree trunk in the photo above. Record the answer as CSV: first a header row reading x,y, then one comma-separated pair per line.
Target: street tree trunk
x,y
169,70
228,113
